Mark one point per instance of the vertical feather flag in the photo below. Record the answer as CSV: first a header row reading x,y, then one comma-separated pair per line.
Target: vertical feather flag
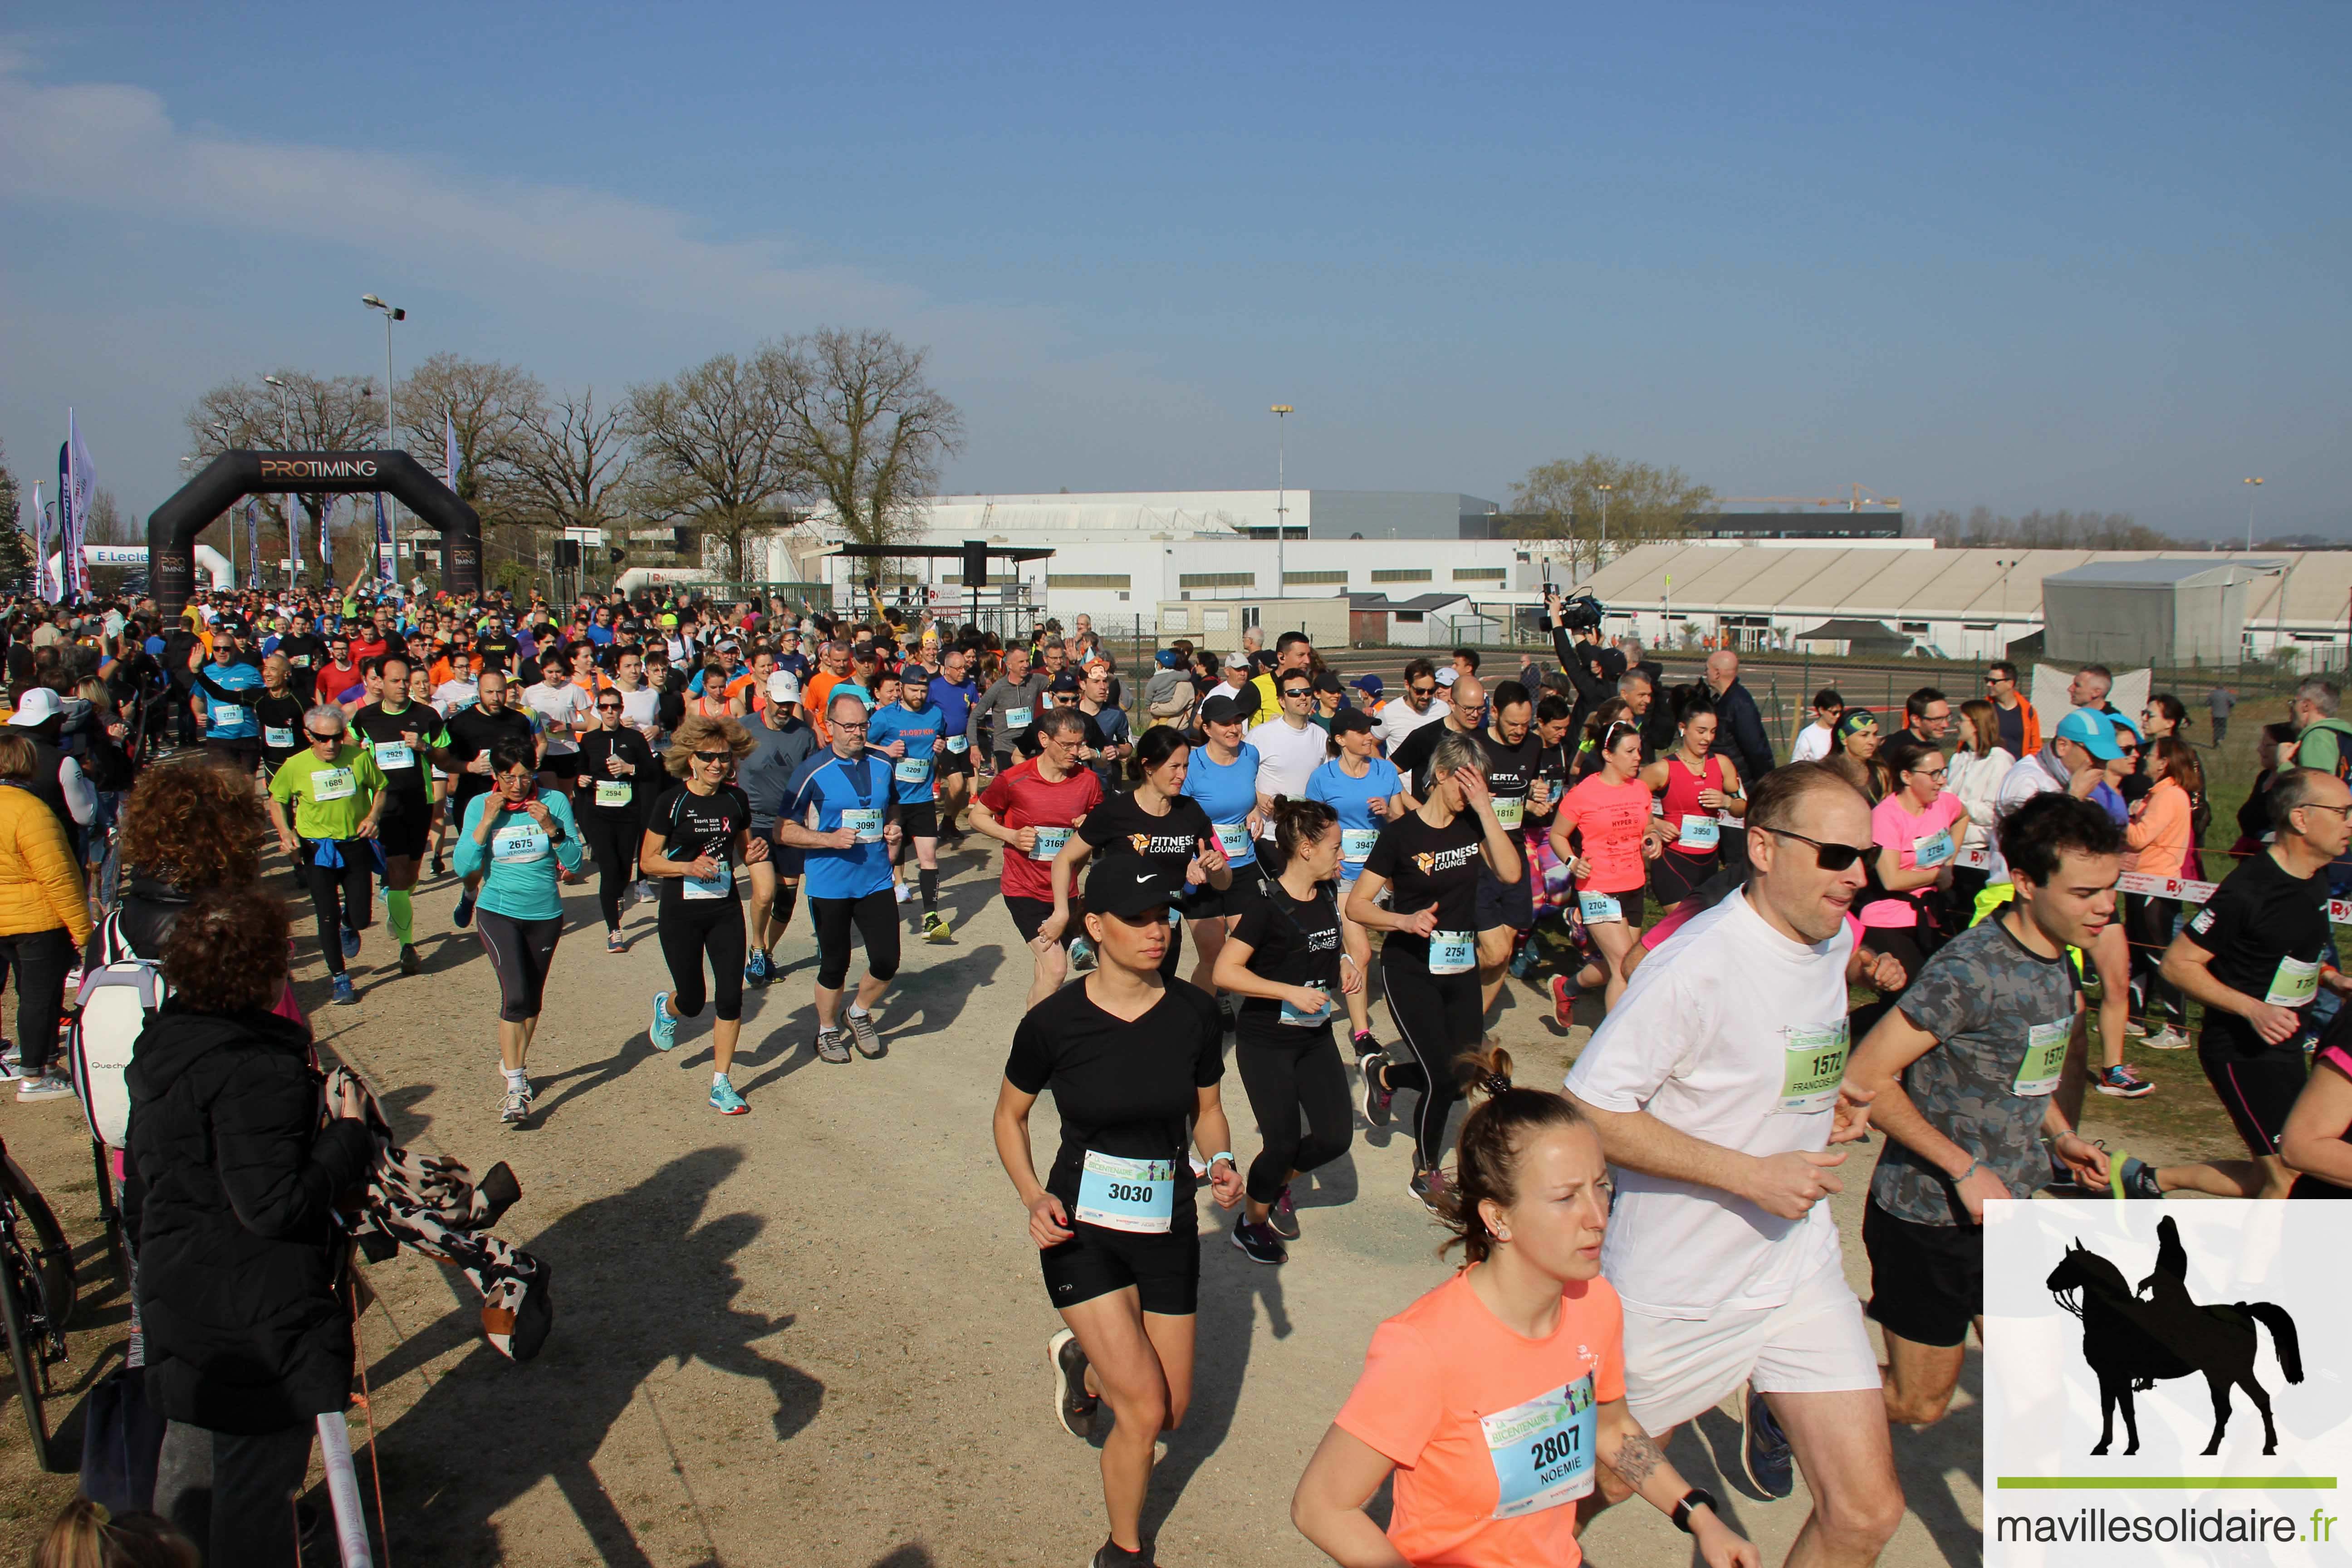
x,y
252,544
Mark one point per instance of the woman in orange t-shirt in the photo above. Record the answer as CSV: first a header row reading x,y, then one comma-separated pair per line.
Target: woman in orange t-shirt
x,y
1493,1399
1610,811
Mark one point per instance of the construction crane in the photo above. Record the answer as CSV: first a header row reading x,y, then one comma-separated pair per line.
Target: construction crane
x,y
1859,499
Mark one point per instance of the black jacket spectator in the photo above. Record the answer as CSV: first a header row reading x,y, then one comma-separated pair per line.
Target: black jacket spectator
x,y
234,1177
1740,734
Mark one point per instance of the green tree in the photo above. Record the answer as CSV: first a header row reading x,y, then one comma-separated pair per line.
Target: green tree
x,y
1563,499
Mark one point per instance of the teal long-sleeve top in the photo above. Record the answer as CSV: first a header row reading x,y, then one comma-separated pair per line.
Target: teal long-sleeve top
x,y
521,881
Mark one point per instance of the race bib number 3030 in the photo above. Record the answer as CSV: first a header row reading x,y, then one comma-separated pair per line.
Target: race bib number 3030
x,y
1137,1196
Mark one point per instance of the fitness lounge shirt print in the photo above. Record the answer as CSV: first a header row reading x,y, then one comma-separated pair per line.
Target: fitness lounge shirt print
x,y
2249,1292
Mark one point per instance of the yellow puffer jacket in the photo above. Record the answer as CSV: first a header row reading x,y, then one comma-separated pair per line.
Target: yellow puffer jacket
x,y
40,887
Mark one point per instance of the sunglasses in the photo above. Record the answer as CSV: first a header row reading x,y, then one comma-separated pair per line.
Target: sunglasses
x,y
330,736
608,708
1422,690
713,756
1828,857
1290,691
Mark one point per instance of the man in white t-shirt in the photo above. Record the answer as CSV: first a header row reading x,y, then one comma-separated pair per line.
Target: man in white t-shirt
x,y
1713,1084
1291,747
1411,708
1813,743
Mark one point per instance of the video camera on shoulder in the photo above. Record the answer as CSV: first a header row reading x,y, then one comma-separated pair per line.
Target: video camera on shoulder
x,y
1580,613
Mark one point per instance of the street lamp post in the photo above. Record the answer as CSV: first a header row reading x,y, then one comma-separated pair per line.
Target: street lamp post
x,y
1597,554
1281,412
391,442
2252,485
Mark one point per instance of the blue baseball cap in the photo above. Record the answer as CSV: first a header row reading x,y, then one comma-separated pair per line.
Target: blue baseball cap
x,y
2091,730
1369,685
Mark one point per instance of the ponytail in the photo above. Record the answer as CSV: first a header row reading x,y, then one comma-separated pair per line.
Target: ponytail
x,y
1493,1140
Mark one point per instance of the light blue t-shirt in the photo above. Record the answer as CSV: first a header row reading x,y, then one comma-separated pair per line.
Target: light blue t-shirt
x,y
522,883
1353,799
232,720
916,773
833,787
1228,793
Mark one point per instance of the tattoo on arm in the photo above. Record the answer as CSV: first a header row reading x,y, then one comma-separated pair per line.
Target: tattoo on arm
x,y
1636,1458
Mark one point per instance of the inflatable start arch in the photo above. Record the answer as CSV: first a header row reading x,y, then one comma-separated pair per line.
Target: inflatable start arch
x,y
172,527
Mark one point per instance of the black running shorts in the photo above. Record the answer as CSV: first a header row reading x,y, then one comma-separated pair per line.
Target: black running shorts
x,y
1927,1281
1164,1270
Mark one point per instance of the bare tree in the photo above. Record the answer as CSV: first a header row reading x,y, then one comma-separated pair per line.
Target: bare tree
x,y
490,406
15,545
575,467
715,450
2038,530
290,412
867,429
1563,501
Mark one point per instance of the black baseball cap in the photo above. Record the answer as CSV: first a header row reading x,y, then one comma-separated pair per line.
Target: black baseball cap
x,y
1222,709
1125,886
1065,681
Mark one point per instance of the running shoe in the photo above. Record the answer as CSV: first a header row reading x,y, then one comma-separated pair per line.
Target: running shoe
x,y
1284,1216
1764,1449
1523,963
350,943
44,1085
1074,1407
2131,1177
463,915
2062,1175
1376,1096
2134,1028
724,1098
516,1109
1563,1000
664,1028
831,1045
1082,956
12,1056
613,943
344,995
440,866
901,892
1428,1184
1259,1243
2167,1038
409,962
869,1038
1363,1043
758,971
1113,1555
935,927
2123,1083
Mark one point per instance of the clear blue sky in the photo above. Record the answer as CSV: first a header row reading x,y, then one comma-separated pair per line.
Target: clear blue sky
x,y
2012,255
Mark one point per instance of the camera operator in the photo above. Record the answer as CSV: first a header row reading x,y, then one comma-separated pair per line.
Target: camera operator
x,y
1591,665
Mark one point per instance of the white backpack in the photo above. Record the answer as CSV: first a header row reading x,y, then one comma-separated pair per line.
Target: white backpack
x,y
116,1000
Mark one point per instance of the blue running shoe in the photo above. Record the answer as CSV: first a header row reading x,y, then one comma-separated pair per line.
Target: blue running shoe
x,y
1082,956
725,1100
664,1029
350,943
463,916
756,972
1764,1450
344,996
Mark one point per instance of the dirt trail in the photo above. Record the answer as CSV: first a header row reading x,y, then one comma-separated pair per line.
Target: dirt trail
x,y
813,1334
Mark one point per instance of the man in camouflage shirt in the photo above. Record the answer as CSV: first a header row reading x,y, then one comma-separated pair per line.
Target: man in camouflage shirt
x,y
1978,1059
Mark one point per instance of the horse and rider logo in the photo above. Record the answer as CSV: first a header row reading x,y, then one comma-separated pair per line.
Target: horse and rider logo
x,y
2134,1339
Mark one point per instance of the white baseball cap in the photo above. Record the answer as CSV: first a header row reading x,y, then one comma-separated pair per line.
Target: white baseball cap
x,y
1448,675
783,686
40,705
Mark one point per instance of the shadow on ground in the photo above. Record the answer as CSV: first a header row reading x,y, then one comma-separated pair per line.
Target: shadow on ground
x,y
644,1282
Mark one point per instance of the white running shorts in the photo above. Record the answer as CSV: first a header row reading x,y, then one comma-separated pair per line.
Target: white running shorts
x,y
1815,1343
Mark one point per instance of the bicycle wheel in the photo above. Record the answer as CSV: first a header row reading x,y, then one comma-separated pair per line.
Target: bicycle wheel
x,y
23,1355
51,1258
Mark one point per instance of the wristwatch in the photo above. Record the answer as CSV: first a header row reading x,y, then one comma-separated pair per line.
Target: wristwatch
x,y
1691,1500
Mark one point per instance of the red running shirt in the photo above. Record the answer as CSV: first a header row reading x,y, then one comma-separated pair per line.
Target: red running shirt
x,y
1019,797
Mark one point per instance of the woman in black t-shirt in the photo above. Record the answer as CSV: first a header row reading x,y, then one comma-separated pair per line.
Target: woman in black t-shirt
x,y
1430,860
1284,961
699,829
1157,823
618,776
1130,1058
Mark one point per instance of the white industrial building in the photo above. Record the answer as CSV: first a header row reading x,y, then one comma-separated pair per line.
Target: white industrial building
x,y
1959,604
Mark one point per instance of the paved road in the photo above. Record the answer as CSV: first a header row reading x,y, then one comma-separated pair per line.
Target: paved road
x,y
813,1334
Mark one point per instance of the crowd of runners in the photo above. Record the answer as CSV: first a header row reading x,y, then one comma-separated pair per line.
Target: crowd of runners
x,y
1335,858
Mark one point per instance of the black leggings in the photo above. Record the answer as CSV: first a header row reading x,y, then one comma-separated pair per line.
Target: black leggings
x,y
521,953
2148,921
351,879
690,929
615,843
1439,1019
877,918
1288,1070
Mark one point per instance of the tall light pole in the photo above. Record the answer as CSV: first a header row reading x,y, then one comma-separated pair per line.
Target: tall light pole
x,y
285,438
1281,412
390,314
2252,485
1604,490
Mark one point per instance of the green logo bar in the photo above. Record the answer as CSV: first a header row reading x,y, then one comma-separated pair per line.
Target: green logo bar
x,y
2167,1483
